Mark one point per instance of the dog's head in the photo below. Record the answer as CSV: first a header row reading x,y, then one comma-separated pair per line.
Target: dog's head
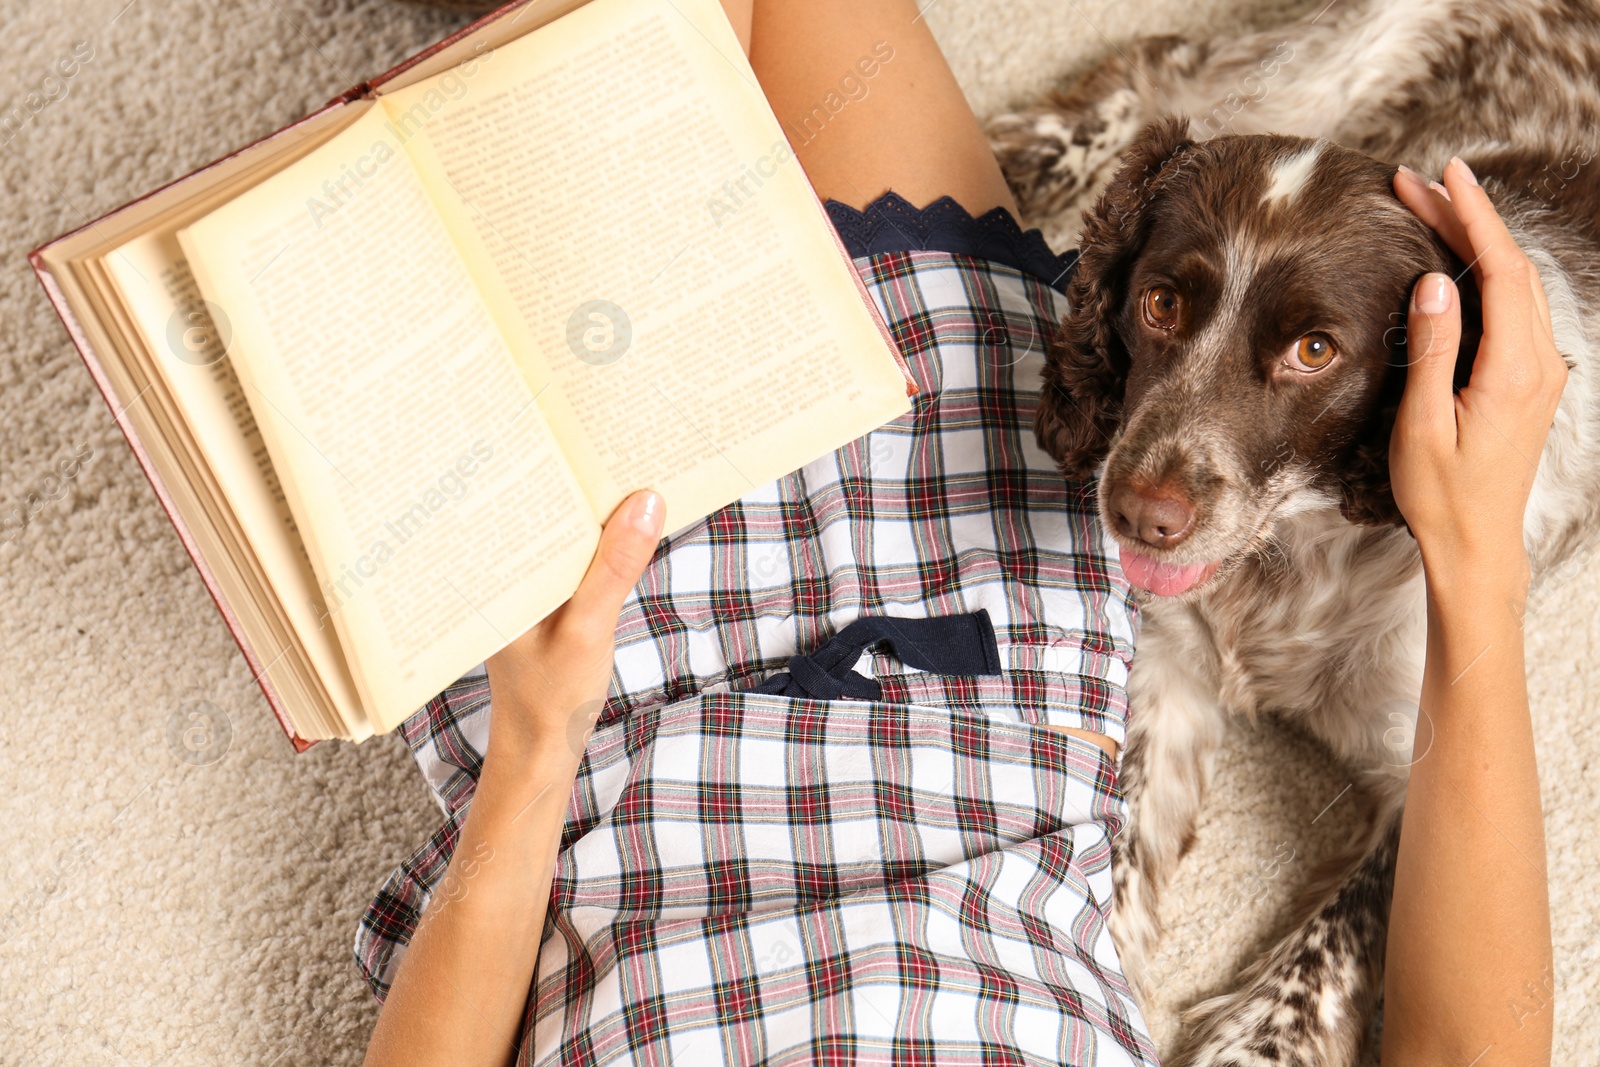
x,y
1235,345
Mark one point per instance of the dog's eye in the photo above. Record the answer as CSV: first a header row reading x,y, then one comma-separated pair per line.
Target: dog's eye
x,y
1314,351
1161,307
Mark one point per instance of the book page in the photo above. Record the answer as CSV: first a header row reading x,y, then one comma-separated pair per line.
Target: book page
x,y
618,184
187,350
439,514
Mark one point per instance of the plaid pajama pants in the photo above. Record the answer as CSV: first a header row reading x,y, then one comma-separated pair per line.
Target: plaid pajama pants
x,y
749,878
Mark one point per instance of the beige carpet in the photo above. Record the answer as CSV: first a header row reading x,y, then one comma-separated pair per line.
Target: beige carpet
x,y
154,912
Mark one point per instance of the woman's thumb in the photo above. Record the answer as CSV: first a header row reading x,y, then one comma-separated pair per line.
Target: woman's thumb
x,y
626,545
1433,338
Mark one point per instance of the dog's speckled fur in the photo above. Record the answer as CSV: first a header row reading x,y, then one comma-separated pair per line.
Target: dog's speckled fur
x,y
1316,613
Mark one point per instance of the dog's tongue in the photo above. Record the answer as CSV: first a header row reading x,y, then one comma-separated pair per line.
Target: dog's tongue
x,y
1164,579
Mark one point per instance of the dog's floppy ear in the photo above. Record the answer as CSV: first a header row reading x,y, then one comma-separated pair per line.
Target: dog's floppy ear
x,y
1086,367
1366,497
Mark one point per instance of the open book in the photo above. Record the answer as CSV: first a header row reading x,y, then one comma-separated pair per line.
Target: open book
x,y
391,368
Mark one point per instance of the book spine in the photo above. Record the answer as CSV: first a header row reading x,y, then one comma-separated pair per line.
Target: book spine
x,y
364,91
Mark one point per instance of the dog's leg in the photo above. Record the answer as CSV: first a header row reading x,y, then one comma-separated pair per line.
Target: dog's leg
x,y
1175,727
1308,1003
1315,77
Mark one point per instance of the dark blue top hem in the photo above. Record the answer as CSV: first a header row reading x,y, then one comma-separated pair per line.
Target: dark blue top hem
x,y
891,224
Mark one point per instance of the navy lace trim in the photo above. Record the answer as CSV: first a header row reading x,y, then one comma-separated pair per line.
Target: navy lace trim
x,y
891,224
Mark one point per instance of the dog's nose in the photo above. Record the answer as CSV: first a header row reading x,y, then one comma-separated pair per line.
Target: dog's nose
x,y
1160,518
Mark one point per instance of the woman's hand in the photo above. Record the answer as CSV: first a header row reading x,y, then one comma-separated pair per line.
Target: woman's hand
x,y
549,684
461,988
1462,465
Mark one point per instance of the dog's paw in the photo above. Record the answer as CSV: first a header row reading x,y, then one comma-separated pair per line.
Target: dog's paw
x,y
1245,1030
1288,1020
1054,158
1060,153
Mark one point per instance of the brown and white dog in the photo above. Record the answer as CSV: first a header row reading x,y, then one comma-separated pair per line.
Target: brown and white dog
x,y
1228,369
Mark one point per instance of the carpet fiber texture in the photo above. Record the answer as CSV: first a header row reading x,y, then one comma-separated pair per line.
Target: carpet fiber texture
x,y
157,912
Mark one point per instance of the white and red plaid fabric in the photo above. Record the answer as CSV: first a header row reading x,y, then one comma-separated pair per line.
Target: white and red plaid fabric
x,y
748,878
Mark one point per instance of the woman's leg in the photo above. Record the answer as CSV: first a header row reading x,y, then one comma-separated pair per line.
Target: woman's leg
x,y
869,102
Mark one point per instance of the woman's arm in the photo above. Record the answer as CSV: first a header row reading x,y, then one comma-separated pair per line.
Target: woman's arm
x,y
459,996
1470,922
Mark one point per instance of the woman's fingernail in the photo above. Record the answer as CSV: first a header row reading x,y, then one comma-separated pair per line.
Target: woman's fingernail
x,y
1433,294
1441,190
1411,177
647,515
1466,171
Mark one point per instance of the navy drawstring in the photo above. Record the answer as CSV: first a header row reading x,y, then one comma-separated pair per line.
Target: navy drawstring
x,y
950,644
